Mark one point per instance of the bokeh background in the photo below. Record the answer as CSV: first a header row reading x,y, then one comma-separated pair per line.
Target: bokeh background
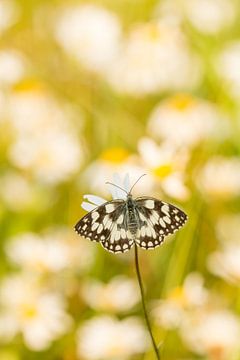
x,y
88,89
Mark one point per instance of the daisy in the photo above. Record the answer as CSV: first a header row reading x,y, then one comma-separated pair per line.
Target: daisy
x,y
91,34
119,295
105,337
38,314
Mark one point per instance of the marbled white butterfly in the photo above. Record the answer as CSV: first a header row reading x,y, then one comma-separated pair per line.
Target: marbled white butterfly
x,y
119,224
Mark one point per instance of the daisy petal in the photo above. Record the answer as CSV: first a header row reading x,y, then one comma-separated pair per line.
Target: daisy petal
x,y
116,192
126,182
97,200
87,206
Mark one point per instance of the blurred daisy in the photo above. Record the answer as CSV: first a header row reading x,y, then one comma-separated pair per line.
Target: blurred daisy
x,y
170,313
93,201
209,16
166,165
225,263
53,161
90,33
169,12
112,339
33,110
212,333
18,194
227,228
184,120
12,66
116,160
9,13
155,57
228,64
220,177
39,315
120,294
53,251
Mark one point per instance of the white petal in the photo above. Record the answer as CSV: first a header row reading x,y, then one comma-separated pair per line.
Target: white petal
x,y
97,200
117,193
126,182
87,206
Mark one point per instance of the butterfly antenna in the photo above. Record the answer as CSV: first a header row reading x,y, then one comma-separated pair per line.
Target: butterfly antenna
x,y
136,182
116,186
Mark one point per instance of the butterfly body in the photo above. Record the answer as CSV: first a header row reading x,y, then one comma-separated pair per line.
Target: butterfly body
x,y
132,218
119,224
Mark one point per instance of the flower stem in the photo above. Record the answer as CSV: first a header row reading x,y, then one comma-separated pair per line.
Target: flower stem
x,y
144,305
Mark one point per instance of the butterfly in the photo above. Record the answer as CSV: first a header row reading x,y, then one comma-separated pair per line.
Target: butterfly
x,y
119,224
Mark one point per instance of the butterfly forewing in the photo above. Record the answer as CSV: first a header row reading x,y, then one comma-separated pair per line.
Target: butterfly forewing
x,y
156,220
98,224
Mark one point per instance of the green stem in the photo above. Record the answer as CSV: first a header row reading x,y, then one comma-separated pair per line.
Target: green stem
x,y
144,305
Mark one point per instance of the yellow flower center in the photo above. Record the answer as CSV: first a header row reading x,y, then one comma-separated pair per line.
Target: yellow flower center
x,y
153,32
178,296
115,155
29,85
182,102
28,311
163,171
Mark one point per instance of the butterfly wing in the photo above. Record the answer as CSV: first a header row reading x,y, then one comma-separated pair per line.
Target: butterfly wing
x,y
120,239
107,224
97,224
157,219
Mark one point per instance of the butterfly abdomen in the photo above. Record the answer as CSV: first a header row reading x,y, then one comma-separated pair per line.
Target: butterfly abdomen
x,y
132,221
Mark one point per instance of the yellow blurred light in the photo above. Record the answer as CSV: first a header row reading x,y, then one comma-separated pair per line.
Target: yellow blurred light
x,y
182,102
115,155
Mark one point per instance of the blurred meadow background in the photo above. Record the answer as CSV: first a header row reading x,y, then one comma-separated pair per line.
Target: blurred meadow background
x,y
88,89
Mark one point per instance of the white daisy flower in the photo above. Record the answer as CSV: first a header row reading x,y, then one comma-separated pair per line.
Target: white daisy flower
x,y
155,57
209,16
116,160
91,34
53,160
55,250
94,201
213,333
227,228
12,67
33,111
170,313
105,337
225,263
120,294
227,65
166,165
184,120
220,177
39,315
9,13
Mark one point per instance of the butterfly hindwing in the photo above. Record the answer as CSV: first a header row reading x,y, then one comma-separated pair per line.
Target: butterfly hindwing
x,y
157,219
119,239
97,224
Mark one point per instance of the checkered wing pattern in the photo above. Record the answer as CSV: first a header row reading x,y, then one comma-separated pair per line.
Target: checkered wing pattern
x,y
157,219
107,224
